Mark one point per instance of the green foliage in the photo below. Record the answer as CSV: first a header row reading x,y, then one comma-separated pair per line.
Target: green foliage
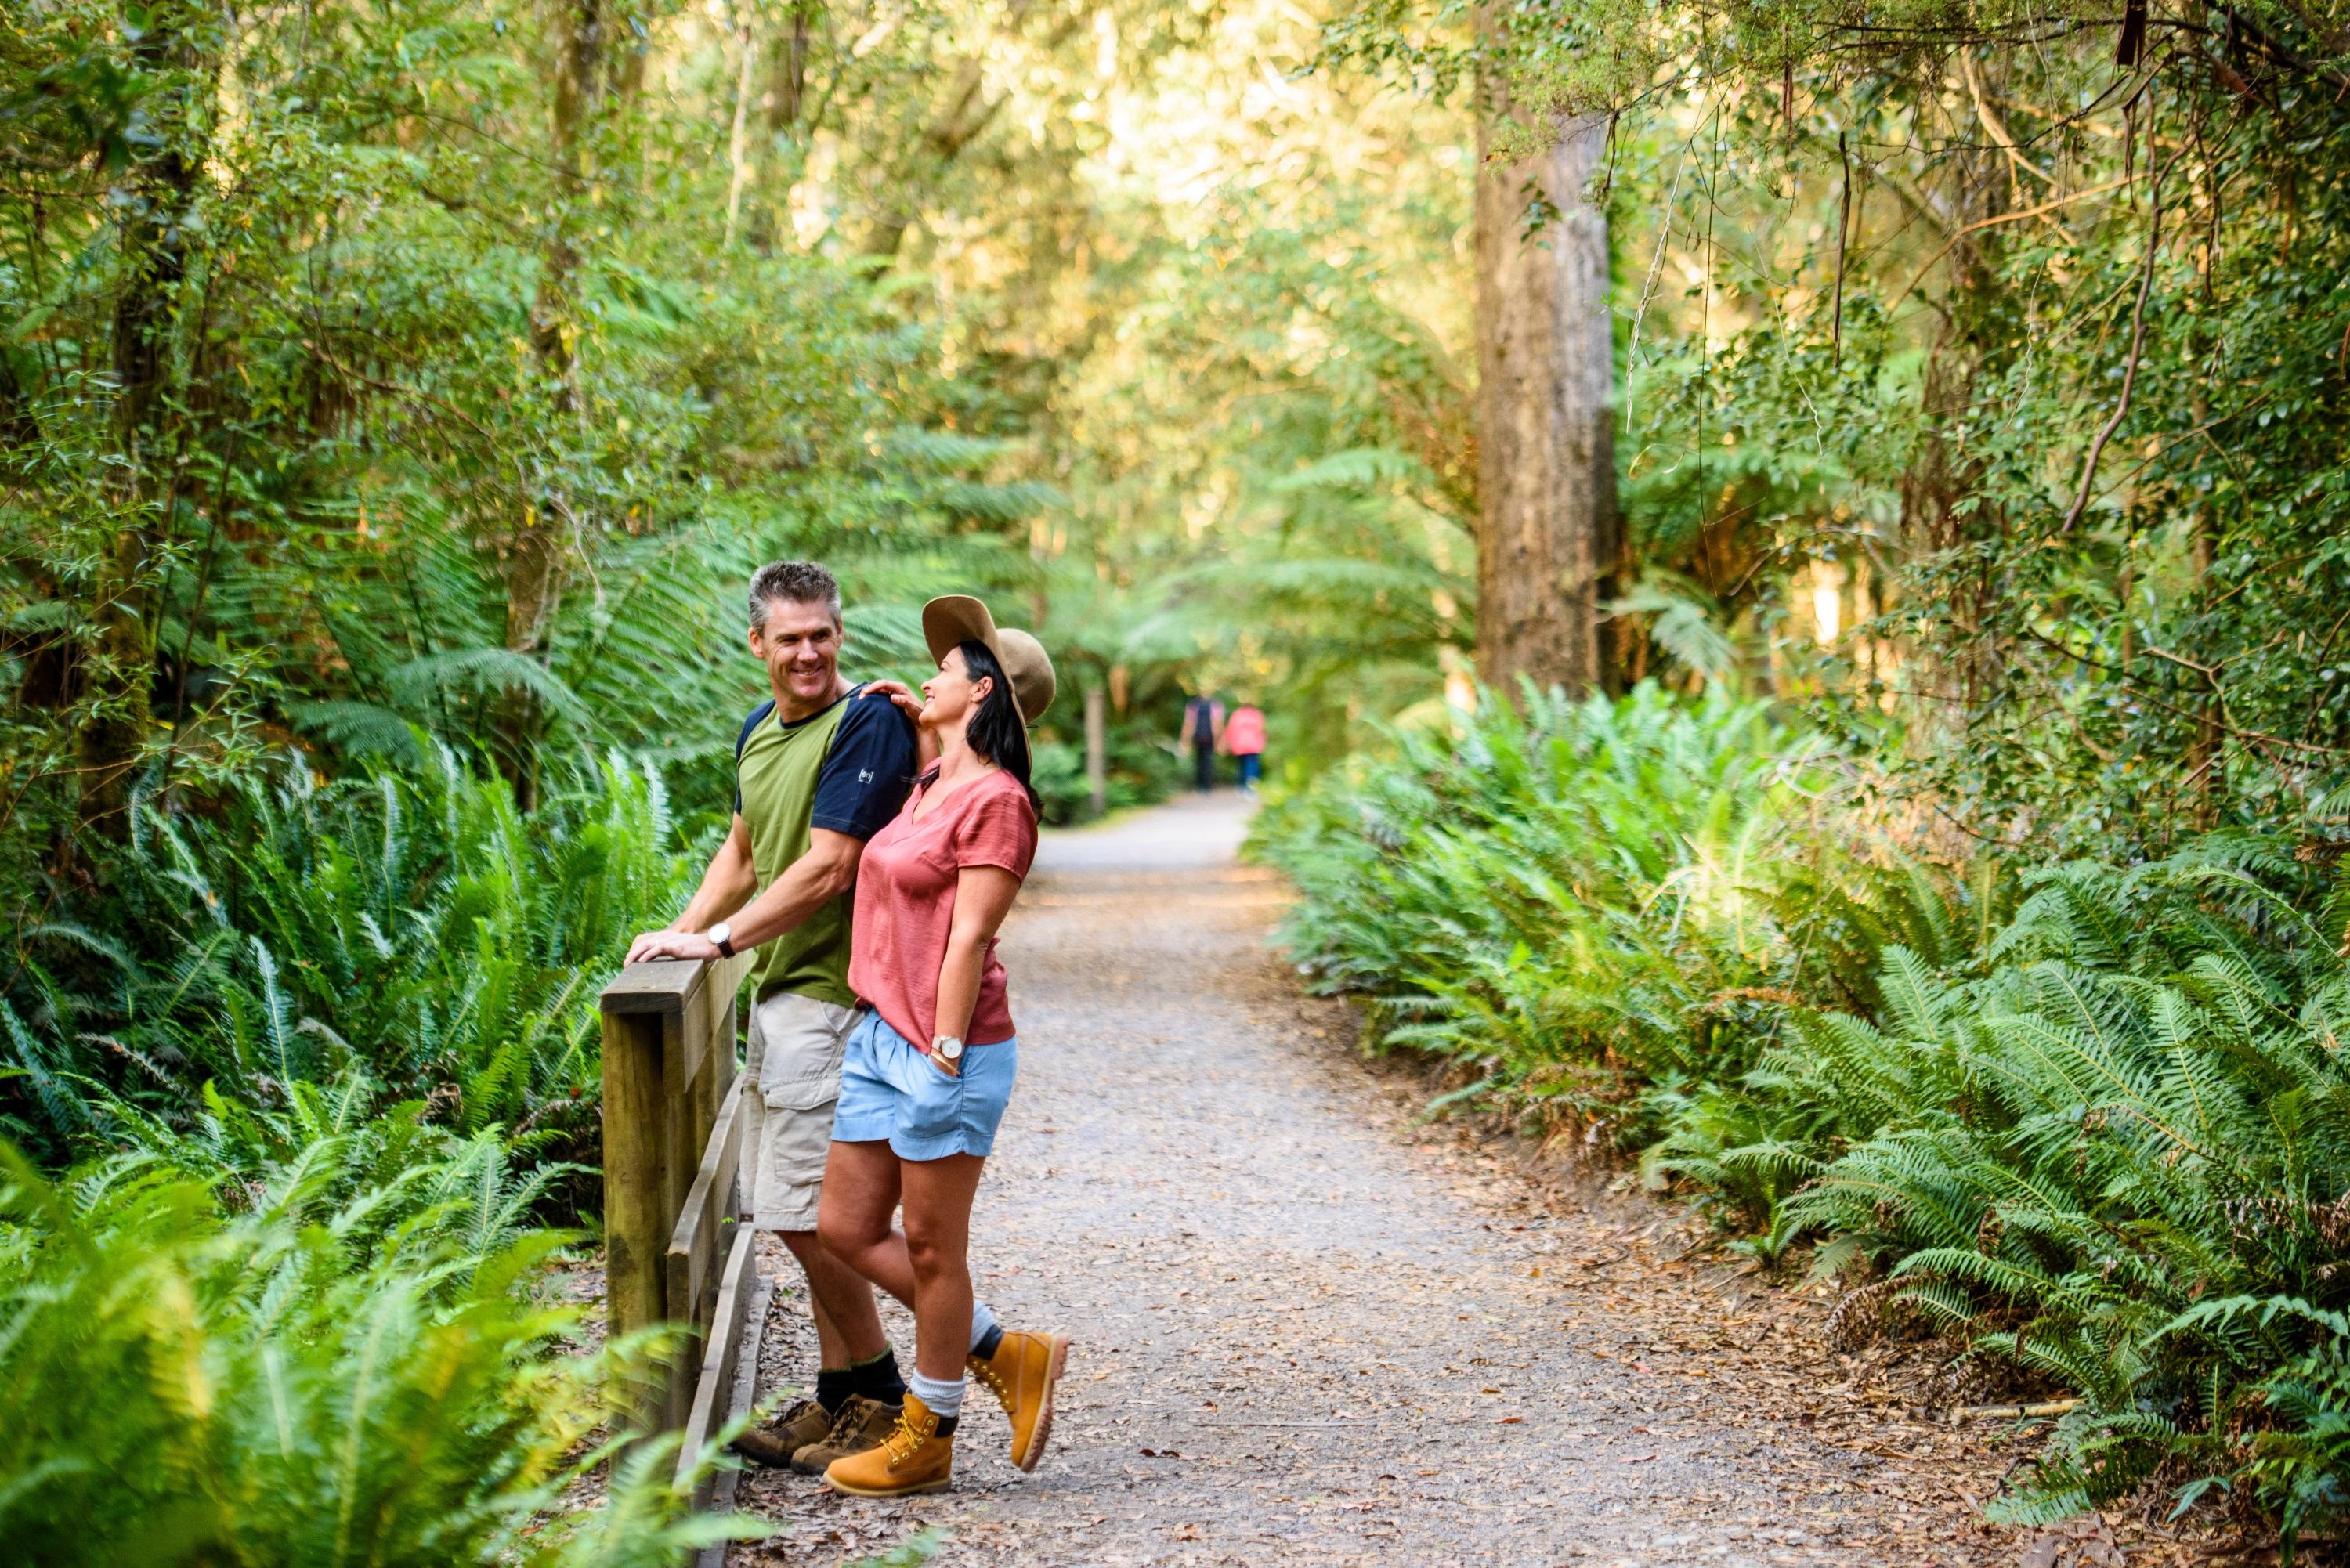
x,y
414,926
2115,1158
1592,884
2101,1137
329,1359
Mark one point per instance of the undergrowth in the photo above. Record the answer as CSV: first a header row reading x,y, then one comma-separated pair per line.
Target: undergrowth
x,y
307,1338
411,925
2090,1121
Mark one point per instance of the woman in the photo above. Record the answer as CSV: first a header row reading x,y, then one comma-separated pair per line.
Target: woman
x,y
929,1069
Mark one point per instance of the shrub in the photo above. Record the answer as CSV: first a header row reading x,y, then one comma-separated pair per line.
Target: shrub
x,y
413,925
2118,1158
2100,1139
336,1357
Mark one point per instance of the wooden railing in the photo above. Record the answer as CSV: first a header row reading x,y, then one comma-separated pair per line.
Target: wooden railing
x,y
681,1136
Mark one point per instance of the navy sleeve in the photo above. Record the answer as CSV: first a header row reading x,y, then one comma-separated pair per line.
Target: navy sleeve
x,y
742,740
870,771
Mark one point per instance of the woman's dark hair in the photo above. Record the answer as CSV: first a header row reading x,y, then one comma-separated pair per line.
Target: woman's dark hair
x,y
995,732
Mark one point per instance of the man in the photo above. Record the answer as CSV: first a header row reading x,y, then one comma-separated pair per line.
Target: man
x,y
1203,731
819,768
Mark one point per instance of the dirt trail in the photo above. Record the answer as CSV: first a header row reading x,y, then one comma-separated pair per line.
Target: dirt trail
x,y
1311,1330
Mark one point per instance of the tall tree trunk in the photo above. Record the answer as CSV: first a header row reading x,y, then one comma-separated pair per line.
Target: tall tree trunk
x,y
155,200
1548,536
787,63
538,555
1096,749
1954,669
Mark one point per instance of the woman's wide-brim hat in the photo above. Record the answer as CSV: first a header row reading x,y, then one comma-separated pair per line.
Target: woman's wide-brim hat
x,y
956,618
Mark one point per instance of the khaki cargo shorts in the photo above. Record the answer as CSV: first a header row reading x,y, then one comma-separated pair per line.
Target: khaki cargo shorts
x,y
796,1048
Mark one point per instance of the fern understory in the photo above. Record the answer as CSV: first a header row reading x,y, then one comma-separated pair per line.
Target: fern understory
x,y
313,1337
2087,1123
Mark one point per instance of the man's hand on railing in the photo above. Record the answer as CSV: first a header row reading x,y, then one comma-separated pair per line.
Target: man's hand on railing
x,y
654,945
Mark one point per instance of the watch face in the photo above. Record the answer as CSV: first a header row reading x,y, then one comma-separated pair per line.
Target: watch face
x,y
951,1049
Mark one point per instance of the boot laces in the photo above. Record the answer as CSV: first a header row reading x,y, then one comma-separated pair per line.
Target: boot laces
x,y
903,1440
844,1422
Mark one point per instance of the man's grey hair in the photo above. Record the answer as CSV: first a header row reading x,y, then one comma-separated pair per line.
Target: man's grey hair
x,y
793,582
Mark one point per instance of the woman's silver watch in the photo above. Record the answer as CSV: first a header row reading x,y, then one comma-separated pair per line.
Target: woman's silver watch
x,y
947,1047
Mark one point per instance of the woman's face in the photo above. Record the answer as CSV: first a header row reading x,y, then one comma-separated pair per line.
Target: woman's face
x,y
951,697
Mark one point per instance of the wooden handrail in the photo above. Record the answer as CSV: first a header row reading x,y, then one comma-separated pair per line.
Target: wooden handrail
x,y
677,1122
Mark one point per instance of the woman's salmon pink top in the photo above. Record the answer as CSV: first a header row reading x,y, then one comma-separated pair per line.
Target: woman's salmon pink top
x,y
905,897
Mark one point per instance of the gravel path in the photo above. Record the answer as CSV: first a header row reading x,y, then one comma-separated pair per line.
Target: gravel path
x,y
1310,1329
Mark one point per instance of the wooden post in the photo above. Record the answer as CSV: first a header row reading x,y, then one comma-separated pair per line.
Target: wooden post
x,y
1098,749
671,1159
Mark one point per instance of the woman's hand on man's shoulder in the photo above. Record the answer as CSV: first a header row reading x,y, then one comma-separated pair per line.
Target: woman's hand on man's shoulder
x,y
898,691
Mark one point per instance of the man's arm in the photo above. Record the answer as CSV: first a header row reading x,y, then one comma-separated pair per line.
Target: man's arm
x,y
725,886
827,870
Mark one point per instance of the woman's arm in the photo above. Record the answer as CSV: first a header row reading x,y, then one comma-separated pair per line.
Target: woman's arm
x,y
984,896
926,744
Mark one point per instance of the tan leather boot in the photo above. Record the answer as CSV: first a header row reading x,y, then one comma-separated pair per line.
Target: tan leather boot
x,y
1022,1373
912,1459
803,1421
862,1422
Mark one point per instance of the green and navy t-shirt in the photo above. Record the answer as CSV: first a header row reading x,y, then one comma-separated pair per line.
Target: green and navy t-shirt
x,y
848,769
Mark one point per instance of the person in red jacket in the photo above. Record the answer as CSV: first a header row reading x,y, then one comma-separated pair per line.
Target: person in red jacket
x,y
1245,738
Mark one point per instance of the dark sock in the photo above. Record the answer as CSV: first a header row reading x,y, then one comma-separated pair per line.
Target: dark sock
x,y
947,1425
985,1348
878,1378
834,1385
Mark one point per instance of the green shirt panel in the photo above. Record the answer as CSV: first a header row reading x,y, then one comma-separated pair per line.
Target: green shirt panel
x,y
777,776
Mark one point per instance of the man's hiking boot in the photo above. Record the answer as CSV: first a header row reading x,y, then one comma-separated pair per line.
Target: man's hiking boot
x,y
803,1421
862,1422
1022,1373
914,1458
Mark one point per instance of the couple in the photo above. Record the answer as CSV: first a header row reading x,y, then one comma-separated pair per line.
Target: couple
x,y
879,841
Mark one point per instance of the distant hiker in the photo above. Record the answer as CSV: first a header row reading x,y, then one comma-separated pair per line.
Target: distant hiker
x,y
820,767
931,1063
1203,731
1245,738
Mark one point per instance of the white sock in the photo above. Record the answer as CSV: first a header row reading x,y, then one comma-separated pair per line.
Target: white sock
x,y
941,1399
983,1322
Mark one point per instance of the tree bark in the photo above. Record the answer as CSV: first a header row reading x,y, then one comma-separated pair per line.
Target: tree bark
x,y
155,201
787,73
1548,535
538,555
1952,670
1098,749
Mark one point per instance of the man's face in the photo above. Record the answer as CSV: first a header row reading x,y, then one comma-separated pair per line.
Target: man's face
x,y
800,645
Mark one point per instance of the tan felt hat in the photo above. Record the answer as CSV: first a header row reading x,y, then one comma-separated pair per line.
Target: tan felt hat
x,y
958,618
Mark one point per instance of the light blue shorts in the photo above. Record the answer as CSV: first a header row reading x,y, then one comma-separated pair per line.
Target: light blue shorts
x,y
889,1091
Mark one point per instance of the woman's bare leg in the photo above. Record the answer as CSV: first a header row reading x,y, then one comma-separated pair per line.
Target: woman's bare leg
x,y
938,1196
928,1264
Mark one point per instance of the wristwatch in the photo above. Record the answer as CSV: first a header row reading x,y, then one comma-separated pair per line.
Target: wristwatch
x,y
947,1047
722,935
